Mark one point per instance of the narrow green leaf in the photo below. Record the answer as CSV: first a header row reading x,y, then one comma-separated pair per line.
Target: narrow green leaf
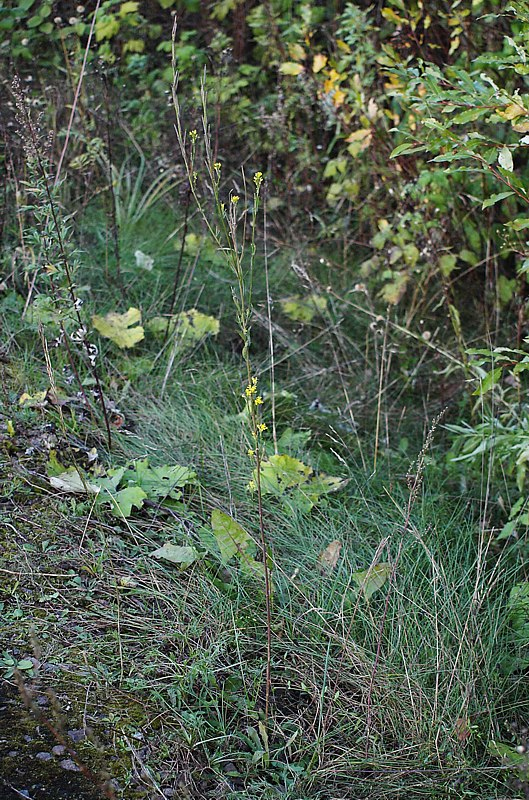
x,y
495,198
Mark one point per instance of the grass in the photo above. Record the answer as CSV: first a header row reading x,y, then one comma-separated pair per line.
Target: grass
x,y
394,696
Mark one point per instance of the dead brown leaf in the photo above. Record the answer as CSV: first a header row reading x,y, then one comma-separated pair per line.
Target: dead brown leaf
x,y
328,558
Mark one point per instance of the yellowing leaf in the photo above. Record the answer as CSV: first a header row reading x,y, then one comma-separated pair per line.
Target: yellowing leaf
x,y
359,140
134,46
512,111
291,68
328,558
391,16
359,136
296,52
343,46
319,62
394,291
189,327
303,309
106,28
371,580
36,400
332,80
73,482
130,7
338,98
118,327
520,127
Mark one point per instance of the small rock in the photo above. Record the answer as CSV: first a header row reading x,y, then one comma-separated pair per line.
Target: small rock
x,y
77,735
44,756
58,750
70,765
168,792
28,738
12,753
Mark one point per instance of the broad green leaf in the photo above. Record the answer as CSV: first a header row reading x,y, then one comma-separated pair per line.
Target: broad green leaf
x,y
518,224
372,579
291,68
519,609
25,663
303,309
410,253
293,440
324,484
118,327
490,380
294,482
447,264
511,757
122,501
506,288
251,567
73,482
111,480
159,482
231,538
505,159
281,472
176,554
495,198
43,310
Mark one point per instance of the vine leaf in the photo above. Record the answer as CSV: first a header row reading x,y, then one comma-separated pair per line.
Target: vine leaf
x,y
118,327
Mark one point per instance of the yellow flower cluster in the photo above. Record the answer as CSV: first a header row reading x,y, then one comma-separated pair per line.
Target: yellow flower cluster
x,y
251,389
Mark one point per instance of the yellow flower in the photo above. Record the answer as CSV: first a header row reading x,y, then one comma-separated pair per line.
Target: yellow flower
x,y
258,401
217,166
251,453
235,199
258,179
262,427
251,389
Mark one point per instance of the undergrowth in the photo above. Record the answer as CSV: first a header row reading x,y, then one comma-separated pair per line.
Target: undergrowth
x,y
259,541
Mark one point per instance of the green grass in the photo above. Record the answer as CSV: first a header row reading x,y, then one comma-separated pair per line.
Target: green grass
x,y
167,665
